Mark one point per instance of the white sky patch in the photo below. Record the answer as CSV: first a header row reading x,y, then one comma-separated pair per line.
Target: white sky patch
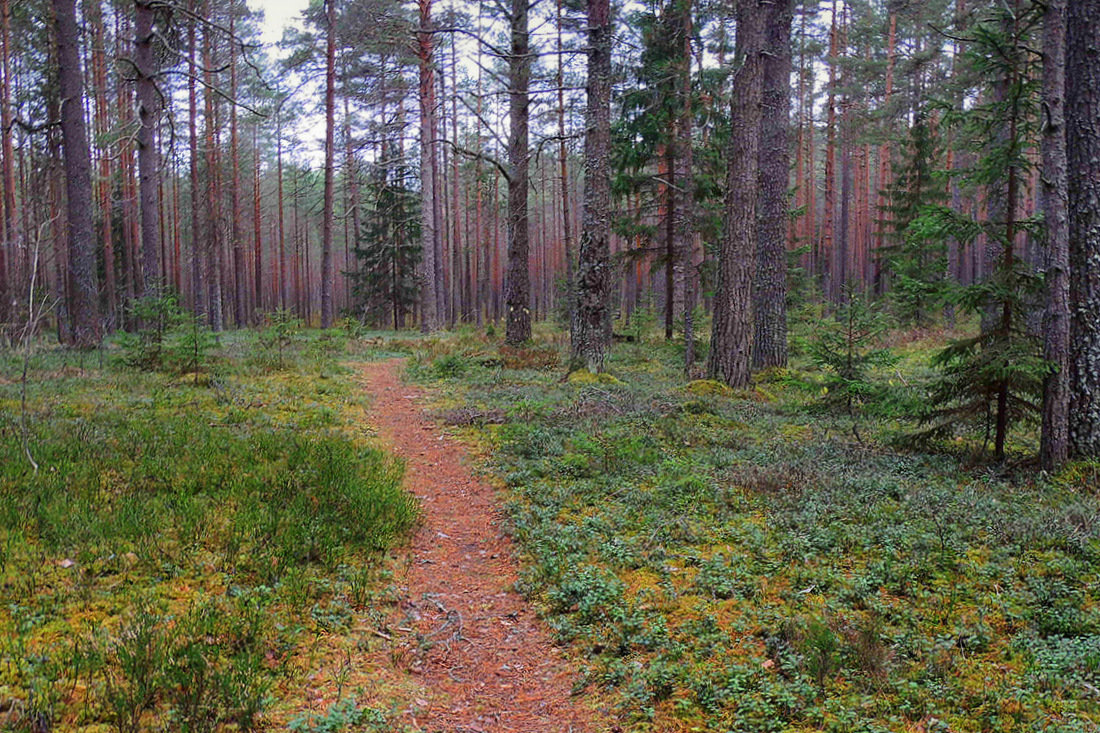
x,y
278,14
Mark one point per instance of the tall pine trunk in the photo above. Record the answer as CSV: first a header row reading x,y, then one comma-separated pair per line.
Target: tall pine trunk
x,y
83,282
591,337
683,194
211,248
279,204
7,164
148,174
732,326
828,257
884,160
1083,150
237,250
102,128
567,227
327,275
1054,446
770,293
429,284
517,283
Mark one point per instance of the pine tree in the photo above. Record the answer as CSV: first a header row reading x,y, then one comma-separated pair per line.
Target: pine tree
x,y
591,323
84,299
1054,446
733,324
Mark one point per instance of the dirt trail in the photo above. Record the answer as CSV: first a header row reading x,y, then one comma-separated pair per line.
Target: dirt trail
x,y
489,665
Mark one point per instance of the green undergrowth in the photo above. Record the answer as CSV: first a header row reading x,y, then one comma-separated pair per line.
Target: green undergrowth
x,y
187,540
746,561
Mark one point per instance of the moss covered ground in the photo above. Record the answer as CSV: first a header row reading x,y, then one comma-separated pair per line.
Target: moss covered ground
x,y
192,549
725,560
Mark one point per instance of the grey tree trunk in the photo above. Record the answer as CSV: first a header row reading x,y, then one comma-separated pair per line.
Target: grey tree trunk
x,y
1083,152
733,324
683,194
83,283
327,276
429,318
1054,445
236,237
566,222
517,285
773,215
148,111
197,246
591,337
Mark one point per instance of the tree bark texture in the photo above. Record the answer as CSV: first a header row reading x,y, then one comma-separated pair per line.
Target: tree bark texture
x,y
83,282
429,318
517,286
327,274
148,112
1054,445
683,193
237,250
1083,151
772,216
591,338
7,166
732,326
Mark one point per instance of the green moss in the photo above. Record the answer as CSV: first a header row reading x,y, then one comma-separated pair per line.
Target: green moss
x,y
583,376
794,578
175,536
709,388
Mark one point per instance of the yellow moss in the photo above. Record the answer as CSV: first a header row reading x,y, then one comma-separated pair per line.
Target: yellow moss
x,y
642,579
709,387
584,376
193,379
1080,474
765,395
796,433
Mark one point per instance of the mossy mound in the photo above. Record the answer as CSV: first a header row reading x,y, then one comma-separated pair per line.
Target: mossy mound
x,y
709,388
193,379
583,376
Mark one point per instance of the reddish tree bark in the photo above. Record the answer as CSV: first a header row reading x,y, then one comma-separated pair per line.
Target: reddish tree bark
x,y
102,127
828,234
683,206
236,236
884,154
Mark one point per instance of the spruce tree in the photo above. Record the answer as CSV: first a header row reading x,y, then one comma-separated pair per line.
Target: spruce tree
x,y
994,380
384,285
916,259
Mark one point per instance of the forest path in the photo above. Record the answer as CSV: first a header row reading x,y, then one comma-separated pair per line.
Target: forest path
x,y
483,659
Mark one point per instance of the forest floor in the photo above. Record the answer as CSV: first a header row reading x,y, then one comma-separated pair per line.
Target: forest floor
x,y
717,559
210,550
237,547
483,660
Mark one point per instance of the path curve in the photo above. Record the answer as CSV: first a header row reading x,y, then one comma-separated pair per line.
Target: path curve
x,y
486,662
